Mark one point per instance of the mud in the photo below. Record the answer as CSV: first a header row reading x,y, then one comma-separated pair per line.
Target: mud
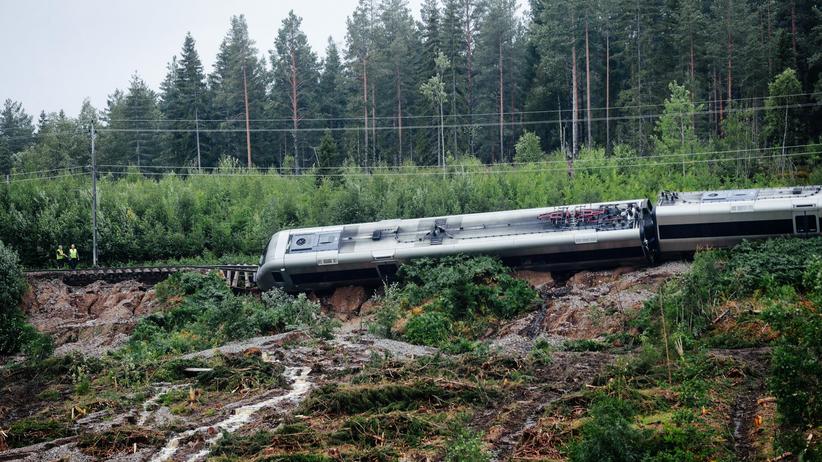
x,y
588,305
90,320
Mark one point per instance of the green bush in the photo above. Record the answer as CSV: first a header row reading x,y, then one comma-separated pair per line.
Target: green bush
x,y
584,345
465,445
812,279
796,371
12,282
466,287
389,312
283,311
609,436
208,314
453,297
774,267
15,334
430,328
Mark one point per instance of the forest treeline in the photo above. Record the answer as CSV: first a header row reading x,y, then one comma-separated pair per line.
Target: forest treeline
x,y
468,78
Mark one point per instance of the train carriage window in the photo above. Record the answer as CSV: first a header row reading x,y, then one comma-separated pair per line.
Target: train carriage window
x,y
806,224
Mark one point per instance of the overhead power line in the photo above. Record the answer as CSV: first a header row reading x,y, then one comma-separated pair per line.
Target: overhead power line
x,y
241,119
615,160
432,126
484,170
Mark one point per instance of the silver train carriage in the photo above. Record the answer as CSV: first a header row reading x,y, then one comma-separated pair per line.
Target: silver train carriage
x,y
694,220
551,238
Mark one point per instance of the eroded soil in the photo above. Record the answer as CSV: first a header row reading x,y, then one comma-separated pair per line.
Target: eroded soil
x,y
355,396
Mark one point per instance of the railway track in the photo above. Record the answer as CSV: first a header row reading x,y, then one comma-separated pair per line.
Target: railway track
x,y
238,277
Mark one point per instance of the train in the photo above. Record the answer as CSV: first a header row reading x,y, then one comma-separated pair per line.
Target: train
x,y
559,238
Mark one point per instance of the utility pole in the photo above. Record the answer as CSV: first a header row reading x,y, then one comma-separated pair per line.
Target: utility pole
x,y
247,121
197,132
139,167
93,199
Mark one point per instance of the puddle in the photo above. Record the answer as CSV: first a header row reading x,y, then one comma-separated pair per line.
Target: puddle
x,y
298,376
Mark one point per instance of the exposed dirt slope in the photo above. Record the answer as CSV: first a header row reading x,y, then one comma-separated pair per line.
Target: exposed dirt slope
x,y
90,320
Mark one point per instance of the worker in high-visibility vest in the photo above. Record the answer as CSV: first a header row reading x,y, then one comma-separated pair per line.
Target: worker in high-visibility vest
x,y
73,257
61,257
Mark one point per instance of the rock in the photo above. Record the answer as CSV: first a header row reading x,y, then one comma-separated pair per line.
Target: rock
x,y
346,301
369,307
253,351
537,279
582,280
90,319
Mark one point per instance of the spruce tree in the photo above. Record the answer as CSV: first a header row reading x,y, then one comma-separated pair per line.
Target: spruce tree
x,y
16,131
332,92
184,104
131,136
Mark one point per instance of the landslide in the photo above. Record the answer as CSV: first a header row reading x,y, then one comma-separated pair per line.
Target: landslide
x,y
89,320
526,389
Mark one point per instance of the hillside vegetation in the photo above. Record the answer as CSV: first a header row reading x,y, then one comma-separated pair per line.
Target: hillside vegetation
x,y
722,364
231,214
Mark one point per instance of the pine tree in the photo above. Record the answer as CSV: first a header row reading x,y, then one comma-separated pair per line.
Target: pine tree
x,y
430,32
61,143
783,125
239,70
453,46
296,76
328,158
495,82
359,48
395,66
472,13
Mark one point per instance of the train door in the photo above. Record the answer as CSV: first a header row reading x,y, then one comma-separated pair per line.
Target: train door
x,y
805,223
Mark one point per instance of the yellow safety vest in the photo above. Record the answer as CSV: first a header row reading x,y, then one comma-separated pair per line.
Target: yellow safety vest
x,y
61,254
73,253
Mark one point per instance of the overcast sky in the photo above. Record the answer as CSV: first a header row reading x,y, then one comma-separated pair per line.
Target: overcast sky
x,y
57,52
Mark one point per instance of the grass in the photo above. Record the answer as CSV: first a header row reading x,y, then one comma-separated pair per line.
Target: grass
x,y
31,430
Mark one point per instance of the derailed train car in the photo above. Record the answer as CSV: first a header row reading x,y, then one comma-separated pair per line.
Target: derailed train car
x,y
551,238
554,238
693,220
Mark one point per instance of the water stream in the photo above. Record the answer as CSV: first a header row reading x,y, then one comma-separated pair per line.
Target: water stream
x,y
162,388
299,388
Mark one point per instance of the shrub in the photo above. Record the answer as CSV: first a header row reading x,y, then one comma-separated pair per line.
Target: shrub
x,y
796,371
542,352
465,445
773,267
466,287
389,312
429,328
12,283
15,334
528,148
584,345
609,435
454,300
812,279
283,311
208,314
